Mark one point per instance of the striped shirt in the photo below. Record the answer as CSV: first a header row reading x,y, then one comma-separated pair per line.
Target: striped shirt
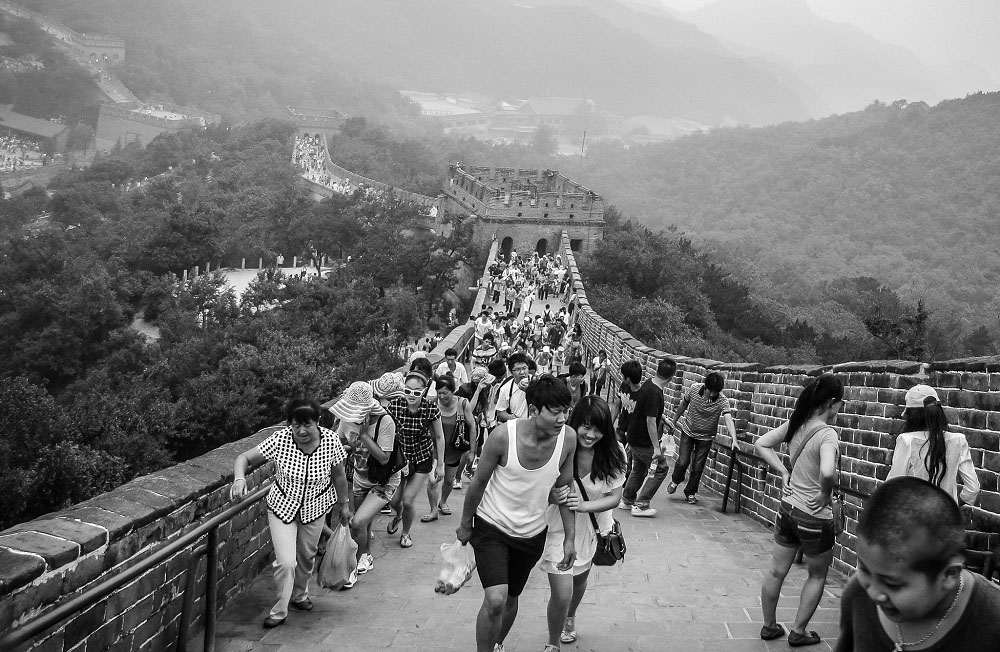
x,y
701,419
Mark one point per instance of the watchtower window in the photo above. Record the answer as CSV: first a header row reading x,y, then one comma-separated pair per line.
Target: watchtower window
x,y
546,204
520,214
575,245
571,216
520,203
545,215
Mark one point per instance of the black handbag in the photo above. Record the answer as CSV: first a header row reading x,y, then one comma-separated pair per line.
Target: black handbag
x,y
380,474
611,546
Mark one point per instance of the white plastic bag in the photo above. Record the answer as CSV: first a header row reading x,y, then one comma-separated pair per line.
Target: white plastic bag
x,y
459,563
340,561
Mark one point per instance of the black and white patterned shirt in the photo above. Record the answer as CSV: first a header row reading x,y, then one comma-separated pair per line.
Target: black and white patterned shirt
x,y
413,430
303,484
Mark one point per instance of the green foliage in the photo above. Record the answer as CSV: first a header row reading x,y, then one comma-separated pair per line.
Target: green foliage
x,y
91,402
904,193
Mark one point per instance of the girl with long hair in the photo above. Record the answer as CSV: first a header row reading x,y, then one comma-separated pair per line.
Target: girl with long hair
x,y
805,518
927,450
453,410
600,468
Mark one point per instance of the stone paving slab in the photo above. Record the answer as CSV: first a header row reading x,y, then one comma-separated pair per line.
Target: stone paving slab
x,y
690,583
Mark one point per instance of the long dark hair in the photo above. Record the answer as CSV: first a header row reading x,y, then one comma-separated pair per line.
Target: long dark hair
x,y
609,458
930,417
825,389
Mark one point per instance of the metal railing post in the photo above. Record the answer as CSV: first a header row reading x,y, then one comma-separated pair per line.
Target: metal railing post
x,y
211,588
729,479
183,632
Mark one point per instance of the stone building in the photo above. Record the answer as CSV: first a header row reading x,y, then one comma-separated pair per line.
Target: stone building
x,y
526,210
313,118
132,122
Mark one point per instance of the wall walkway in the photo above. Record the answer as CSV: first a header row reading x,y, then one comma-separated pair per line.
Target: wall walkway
x,y
764,397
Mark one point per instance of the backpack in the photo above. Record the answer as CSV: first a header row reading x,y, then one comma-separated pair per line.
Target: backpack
x,y
380,473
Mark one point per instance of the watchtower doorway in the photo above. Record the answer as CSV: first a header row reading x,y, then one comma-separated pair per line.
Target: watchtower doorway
x,y
505,247
542,247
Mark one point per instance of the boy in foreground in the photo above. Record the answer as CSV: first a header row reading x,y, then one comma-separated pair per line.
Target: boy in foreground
x,y
911,590
504,514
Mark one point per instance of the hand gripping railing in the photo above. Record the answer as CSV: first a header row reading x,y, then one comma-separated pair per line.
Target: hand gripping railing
x,y
93,595
761,468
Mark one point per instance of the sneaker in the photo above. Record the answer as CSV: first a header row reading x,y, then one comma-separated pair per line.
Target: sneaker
x,y
692,500
643,511
385,510
354,580
624,504
405,541
672,487
366,563
457,484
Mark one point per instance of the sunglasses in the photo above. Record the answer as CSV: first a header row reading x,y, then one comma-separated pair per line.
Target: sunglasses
x,y
409,391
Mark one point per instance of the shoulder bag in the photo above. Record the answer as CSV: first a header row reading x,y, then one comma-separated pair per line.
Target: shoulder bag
x,y
611,546
461,440
381,473
836,497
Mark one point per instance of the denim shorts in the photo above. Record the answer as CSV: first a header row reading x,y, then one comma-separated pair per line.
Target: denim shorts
x,y
794,528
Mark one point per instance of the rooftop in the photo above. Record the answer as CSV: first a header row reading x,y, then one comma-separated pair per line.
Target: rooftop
x,y
29,125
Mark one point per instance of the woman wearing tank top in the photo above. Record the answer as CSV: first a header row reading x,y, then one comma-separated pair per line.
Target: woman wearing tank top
x,y
805,519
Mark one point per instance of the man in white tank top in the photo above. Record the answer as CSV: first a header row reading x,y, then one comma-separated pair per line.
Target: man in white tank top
x,y
523,461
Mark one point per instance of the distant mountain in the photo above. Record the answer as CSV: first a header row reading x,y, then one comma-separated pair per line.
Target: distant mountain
x,y
847,67
905,193
246,58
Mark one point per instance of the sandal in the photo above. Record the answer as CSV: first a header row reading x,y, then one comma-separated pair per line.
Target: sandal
x,y
405,541
427,518
445,510
771,632
798,640
393,524
569,631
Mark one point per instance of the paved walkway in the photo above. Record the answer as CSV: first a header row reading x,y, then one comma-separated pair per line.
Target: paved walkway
x,y
690,583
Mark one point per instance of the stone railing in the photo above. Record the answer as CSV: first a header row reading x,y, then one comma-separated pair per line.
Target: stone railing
x,y
48,560
763,398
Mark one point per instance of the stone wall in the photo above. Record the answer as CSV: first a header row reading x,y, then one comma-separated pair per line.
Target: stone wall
x,y
50,558
763,398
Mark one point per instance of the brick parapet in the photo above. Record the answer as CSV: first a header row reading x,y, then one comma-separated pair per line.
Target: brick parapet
x,y
874,390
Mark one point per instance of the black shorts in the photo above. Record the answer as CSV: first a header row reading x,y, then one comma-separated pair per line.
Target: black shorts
x,y
794,528
503,559
422,467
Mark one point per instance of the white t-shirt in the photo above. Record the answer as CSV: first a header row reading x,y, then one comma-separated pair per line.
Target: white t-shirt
x,y
511,398
460,374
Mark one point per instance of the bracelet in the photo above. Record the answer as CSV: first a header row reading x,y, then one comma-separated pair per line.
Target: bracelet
x,y
243,480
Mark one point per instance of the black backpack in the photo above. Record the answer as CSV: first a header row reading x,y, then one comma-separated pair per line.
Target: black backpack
x,y
380,473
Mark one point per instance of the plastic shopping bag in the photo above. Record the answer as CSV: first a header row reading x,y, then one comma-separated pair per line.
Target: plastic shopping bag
x,y
340,561
459,562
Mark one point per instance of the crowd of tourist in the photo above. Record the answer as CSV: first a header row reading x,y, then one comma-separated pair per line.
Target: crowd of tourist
x,y
547,462
19,153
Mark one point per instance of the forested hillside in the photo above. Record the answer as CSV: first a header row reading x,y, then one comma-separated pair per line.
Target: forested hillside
x,y
907,194
87,402
250,58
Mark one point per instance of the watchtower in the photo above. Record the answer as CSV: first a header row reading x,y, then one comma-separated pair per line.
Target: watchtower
x,y
526,210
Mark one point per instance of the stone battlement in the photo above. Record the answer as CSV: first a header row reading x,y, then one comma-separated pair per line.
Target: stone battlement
x,y
874,390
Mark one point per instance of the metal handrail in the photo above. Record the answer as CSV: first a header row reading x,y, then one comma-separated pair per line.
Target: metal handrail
x,y
763,465
101,591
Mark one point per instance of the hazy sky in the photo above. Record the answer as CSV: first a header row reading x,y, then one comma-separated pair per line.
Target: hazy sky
x,y
937,31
